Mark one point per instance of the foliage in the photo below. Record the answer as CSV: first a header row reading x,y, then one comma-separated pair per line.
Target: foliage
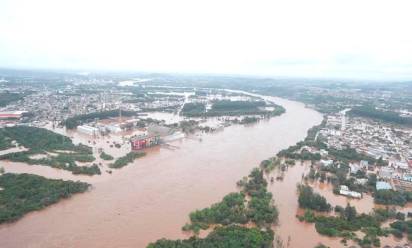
x,y
8,97
231,108
23,193
388,197
311,200
193,109
125,160
38,138
232,236
400,227
386,116
230,210
348,222
41,141
61,161
233,208
106,156
269,165
77,120
349,154
249,120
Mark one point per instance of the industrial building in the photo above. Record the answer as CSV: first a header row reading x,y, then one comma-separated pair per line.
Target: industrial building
x,y
143,141
89,130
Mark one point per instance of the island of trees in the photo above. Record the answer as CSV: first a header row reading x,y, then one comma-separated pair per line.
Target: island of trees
x,y
231,218
22,193
127,159
230,108
106,156
57,151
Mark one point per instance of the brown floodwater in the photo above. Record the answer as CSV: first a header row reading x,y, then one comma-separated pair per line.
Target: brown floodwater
x,y
151,198
299,234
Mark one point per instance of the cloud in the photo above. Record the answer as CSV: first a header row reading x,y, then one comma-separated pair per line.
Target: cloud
x,y
368,38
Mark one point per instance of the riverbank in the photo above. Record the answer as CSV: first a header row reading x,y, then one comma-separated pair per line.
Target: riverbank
x,y
151,199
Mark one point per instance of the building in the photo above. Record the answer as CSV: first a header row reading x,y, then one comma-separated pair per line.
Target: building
x,y
386,172
89,130
402,184
364,163
326,163
354,168
113,128
381,185
141,142
344,190
11,115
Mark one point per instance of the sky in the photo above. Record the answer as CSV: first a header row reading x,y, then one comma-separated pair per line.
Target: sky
x,y
367,39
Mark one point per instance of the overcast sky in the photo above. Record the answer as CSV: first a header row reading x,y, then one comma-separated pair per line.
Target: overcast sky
x,y
315,38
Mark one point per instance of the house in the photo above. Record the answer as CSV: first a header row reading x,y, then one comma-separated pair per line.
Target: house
x,y
364,163
386,172
326,163
402,184
354,168
344,190
381,185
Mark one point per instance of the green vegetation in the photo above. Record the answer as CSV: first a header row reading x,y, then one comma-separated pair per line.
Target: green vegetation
x,y
348,222
125,160
77,120
253,205
349,154
369,111
39,139
189,126
106,156
249,120
311,200
231,209
401,227
235,209
292,152
61,161
193,109
43,141
269,165
23,193
226,107
7,98
232,236
231,108
389,197
5,142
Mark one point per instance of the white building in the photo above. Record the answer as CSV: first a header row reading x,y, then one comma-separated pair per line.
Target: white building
x,y
344,190
114,128
89,130
326,163
383,185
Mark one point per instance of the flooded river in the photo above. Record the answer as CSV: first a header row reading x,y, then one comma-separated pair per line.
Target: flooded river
x,y
152,197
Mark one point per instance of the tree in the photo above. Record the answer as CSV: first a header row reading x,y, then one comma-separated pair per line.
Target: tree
x,y
350,213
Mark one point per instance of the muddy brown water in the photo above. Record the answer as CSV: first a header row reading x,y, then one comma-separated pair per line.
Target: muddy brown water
x,y
152,197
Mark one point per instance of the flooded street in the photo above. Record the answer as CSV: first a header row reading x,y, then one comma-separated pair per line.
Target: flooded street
x,y
152,197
